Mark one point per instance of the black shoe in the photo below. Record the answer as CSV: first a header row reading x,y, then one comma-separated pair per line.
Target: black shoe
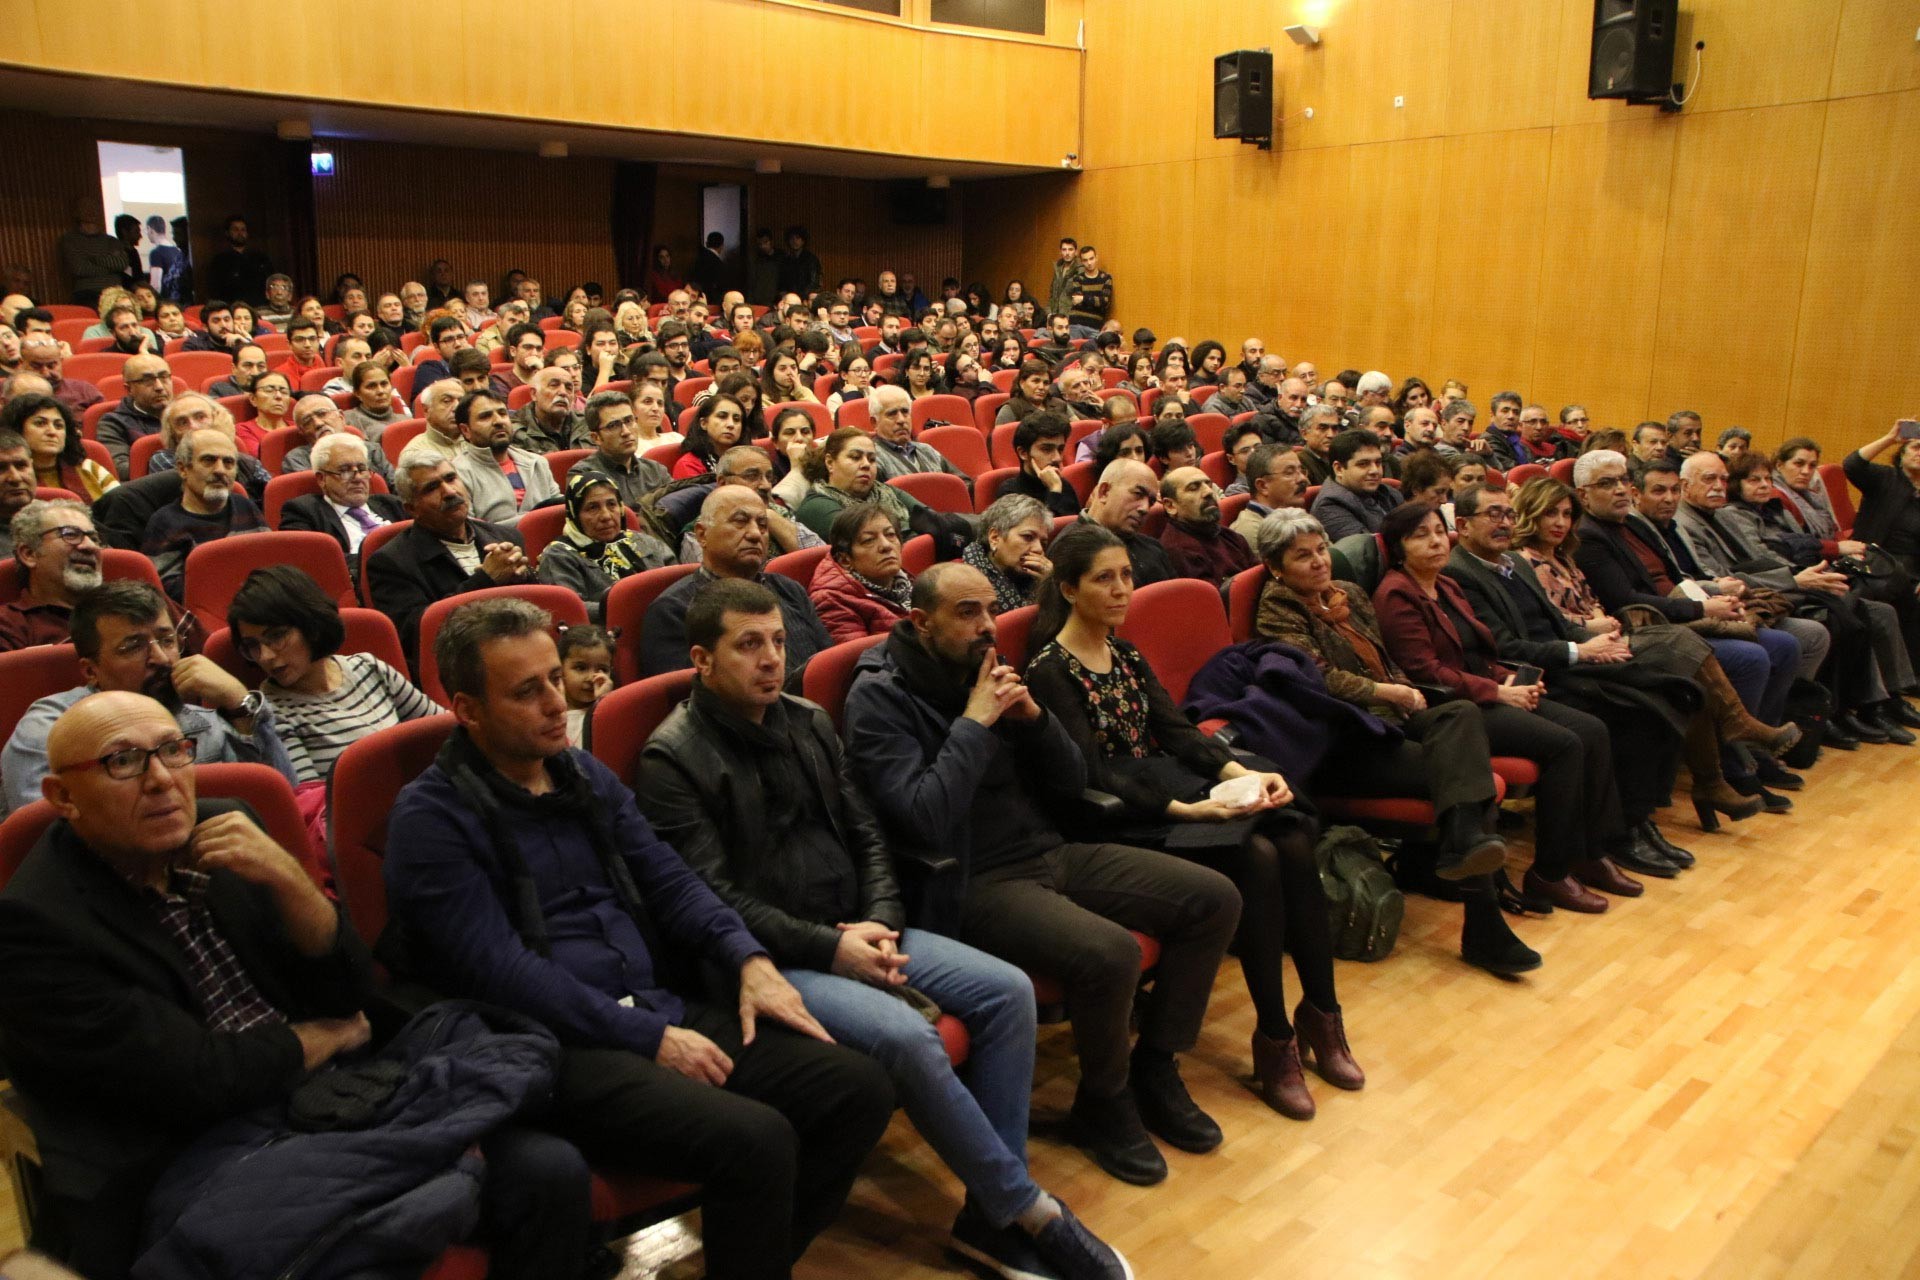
x,y
1487,943
1638,854
1883,719
1651,833
1833,734
1774,774
1166,1108
1854,725
1006,1251
1900,711
1769,802
1517,901
1109,1130
1075,1253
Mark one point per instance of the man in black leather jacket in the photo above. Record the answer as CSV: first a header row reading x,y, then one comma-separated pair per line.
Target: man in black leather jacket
x,y
750,785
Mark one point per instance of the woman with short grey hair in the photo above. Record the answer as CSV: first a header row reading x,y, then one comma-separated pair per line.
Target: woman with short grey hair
x,y
1012,549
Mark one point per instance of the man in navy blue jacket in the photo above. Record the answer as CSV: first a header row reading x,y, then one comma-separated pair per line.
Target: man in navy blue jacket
x,y
521,873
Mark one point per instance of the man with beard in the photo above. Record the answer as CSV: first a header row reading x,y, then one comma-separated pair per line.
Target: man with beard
x,y
445,552
237,273
1280,421
149,385
211,506
16,484
58,548
217,333
503,482
1195,541
127,642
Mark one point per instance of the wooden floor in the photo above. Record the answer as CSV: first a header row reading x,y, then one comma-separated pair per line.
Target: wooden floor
x,y
1720,1079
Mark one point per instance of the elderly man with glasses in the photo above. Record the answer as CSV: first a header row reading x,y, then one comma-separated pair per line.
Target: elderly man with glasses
x,y
346,506
59,552
127,642
317,417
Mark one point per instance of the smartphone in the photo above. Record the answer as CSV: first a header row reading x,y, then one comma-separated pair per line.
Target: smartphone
x,y
1525,673
1907,429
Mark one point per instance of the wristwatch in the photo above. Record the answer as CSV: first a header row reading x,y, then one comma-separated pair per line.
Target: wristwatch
x,y
249,706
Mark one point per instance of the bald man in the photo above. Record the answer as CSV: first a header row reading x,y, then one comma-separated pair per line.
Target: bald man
x,y
171,968
149,392
1195,541
1120,503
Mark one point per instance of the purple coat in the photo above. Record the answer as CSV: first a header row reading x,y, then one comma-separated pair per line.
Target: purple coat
x,y
1276,698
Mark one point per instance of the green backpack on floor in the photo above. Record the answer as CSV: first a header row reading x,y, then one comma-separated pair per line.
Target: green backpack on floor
x,y
1365,903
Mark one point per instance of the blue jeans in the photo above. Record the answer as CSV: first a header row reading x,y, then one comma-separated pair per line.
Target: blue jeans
x,y
979,1128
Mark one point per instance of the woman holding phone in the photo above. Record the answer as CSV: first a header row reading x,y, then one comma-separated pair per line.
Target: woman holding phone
x,y
1890,496
1432,633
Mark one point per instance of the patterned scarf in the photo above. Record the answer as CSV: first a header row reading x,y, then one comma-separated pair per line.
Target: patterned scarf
x,y
619,557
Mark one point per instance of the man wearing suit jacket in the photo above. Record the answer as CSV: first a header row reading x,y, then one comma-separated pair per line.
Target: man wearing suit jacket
x,y
445,553
171,967
346,506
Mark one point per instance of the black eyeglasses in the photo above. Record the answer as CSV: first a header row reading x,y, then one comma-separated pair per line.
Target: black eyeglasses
x,y
133,762
71,534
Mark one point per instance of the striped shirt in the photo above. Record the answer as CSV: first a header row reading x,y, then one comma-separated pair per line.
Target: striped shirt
x,y
317,727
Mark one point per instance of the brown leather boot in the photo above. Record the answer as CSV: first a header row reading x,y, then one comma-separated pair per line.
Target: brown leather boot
x,y
1322,1038
1730,716
1276,1064
1712,793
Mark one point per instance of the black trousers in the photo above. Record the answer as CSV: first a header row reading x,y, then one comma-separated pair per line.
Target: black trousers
x,y
536,1206
1577,811
774,1150
1896,589
1442,758
1646,755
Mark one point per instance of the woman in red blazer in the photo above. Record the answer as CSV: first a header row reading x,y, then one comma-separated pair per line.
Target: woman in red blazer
x,y
1431,632
860,588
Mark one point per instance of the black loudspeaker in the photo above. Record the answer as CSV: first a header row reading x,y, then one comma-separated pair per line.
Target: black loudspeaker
x,y
1633,49
1243,95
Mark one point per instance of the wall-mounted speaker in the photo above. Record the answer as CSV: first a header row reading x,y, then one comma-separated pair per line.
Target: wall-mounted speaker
x,y
1243,95
1633,49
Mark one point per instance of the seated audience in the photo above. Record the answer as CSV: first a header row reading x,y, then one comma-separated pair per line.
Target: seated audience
x,y
595,548
958,759
442,435
733,532
316,417
503,482
1275,479
1357,497
195,412
40,354
346,506
750,787
1196,543
249,362
1119,505
604,940
896,452
1174,443
1431,632
1030,394
125,636
1441,754
16,484
1011,551
718,425
1799,487
859,589
1319,424
445,552
149,391
842,471
55,446
210,507
613,424
754,467
1040,445
272,401
375,406
1238,443
58,554
1139,747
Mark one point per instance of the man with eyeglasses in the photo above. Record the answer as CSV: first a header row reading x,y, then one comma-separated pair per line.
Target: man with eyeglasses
x,y
40,354
615,429
676,344
346,506
316,417
127,642
149,392
58,550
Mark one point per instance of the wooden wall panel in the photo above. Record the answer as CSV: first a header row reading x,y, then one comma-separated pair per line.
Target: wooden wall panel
x,y
1512,49
1304,249
1599,298
391,209
1489,263
1386,277
1760,53
1736,247
1854,367
1874,48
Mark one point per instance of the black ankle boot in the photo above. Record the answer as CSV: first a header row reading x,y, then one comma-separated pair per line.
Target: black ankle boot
x,y
1487,943
1466,847
1166,1108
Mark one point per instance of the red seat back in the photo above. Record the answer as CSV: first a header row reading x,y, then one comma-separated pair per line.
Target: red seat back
x,y
315,379
1524,472
941,410
855,413
1011,631
938,490
1243,602
1210,429
1563,471
620,723
686,389
829,674
987,487
1834,477
539,527
566,608
1083,476
985,409
1219,468
93,366
1177,625
28,675
916,555
215,570
366,780
1001,445
561,461
962,446
626,607
798,565
140,456
1231,505
90,420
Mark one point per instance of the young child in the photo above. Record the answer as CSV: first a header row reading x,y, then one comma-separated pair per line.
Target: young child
x,y
586,667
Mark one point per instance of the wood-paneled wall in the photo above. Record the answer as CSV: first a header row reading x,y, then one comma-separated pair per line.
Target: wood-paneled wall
x,y
391,209
1751,257
745,69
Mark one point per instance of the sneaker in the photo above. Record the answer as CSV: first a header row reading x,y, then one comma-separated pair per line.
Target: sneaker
x,y
1006,1251
1166,1108
1109,1130
1076,1252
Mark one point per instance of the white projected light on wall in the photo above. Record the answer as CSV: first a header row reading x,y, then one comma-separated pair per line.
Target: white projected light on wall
x,y
149,185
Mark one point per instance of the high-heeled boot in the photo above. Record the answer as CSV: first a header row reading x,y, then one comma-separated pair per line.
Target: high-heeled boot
x,y
1282,1085
1730,716
1711,791
1323,1038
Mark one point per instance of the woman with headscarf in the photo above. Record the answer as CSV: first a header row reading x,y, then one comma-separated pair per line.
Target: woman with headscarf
x,y
595,549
